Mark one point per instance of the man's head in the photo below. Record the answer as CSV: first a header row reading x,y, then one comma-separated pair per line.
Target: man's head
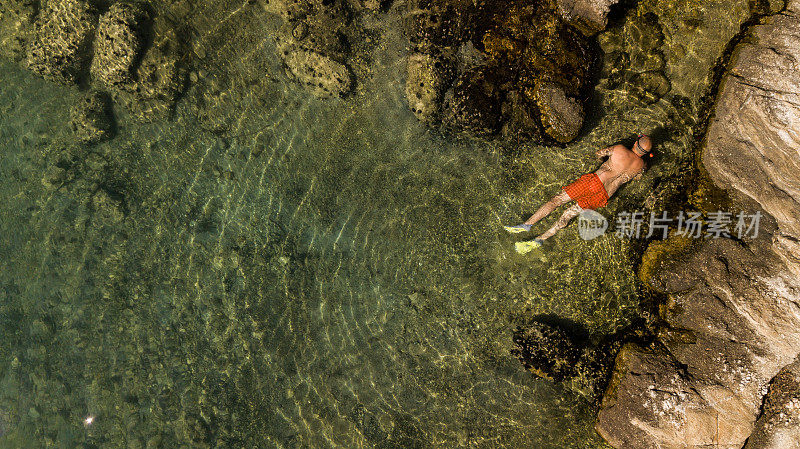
x,y
643,145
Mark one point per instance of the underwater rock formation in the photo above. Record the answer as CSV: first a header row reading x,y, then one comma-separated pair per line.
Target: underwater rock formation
x,y
119,43
562,116
425,82
315,43
321,74
588,16
546,350
160,76
59,47
640,67
532,81
91,118
550,352
69,41
474,103
732,320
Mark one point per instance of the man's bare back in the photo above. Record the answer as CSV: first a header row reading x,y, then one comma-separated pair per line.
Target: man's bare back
x,y
622,165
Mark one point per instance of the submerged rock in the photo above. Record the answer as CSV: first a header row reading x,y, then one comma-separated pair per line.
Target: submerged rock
x,y
639,65
323,75
425,83
521,45
119,43
159,78
546,350
60,45
562,116
437,25
91,118
473,104
588,16
315,43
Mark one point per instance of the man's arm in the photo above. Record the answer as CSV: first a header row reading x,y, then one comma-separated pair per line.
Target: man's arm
x,y
605,152
639,175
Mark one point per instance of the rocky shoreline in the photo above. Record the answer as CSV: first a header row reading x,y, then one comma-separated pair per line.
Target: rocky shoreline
x,y
722,371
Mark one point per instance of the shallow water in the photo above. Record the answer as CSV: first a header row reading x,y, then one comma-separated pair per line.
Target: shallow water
x,y
272,270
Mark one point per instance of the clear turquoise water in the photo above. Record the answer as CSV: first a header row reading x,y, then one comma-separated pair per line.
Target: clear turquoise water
x,y
273,270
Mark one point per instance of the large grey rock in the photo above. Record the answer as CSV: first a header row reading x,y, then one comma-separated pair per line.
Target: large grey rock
x,y
733,320
753,141
779,424
588,16
59,47
733,313
119,43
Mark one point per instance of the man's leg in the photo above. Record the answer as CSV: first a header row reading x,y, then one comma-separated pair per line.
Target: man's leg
x,y
568,215
548,207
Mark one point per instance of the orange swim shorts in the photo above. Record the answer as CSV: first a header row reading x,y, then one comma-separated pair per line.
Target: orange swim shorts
x,y
588,191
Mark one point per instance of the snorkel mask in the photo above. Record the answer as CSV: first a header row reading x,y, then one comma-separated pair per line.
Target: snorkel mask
x,y
649,153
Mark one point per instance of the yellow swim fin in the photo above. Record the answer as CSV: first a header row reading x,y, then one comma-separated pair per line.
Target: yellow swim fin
x,y
518,228
526,247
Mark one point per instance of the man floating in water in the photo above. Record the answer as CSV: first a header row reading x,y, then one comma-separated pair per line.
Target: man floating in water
x,y
591,190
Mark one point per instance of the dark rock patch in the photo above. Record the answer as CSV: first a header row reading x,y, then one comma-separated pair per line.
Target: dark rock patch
x,y
533,79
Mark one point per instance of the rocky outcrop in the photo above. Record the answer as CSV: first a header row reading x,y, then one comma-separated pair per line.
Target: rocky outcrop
x,y
753,141
531,80
91,118
119,44
59,47
588,16
779,424
315,43
160,76
732,319
322,75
